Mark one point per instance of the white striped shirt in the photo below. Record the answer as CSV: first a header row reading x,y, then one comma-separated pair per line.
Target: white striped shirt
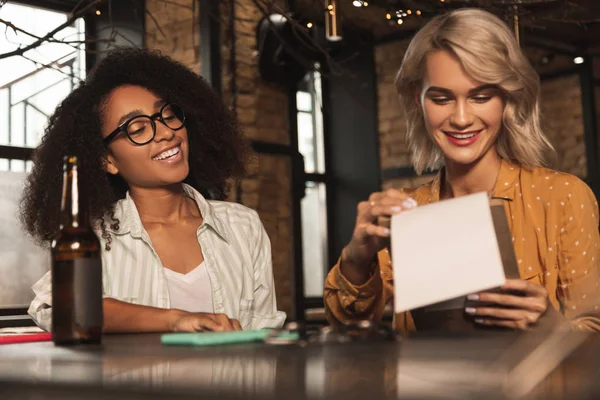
x,y
236,250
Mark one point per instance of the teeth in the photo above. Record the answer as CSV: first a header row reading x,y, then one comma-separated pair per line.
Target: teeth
x,y
166,154
465,136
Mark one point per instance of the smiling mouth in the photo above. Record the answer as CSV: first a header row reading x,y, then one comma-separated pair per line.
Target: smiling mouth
x,y
462,136
168,154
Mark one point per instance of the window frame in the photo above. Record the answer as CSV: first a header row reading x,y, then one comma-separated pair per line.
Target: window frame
x,y
316,177
65,6
127,20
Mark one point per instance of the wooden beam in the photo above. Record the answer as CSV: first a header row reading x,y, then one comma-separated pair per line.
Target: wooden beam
x,y
16,153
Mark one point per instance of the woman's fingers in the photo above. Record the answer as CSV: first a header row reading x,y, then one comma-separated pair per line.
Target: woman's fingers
x,y
363,231
384,206
236,325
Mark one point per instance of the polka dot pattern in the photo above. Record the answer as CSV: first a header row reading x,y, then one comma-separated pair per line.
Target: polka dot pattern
x,y
553,218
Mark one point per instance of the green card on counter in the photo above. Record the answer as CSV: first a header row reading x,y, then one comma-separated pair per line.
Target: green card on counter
x,y
220,338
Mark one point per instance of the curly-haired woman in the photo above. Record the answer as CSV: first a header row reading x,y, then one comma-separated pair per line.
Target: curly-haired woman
x,y
155,143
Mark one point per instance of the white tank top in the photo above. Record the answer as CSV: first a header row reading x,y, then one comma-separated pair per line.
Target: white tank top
x,y
192,291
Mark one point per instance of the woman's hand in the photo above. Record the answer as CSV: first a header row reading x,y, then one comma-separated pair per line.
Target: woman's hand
x,y
372,231
193,322
517,312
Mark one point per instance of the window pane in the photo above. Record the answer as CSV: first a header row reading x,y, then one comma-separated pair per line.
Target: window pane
x,y
310,124
3,121
22,263
306,140
314,239
17,165
318,113
17,127
29,93
304,101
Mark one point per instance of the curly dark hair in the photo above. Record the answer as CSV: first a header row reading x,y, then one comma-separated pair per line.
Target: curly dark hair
x,y
217,148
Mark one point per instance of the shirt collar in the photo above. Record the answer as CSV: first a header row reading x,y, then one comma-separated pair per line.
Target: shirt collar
x,y
505,187
206,210
435,186
507,182
129,218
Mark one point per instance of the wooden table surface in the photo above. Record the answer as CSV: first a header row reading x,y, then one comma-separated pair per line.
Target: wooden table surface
x,y
420,367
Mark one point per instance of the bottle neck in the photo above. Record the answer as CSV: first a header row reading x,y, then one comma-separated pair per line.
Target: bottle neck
x,y
73,214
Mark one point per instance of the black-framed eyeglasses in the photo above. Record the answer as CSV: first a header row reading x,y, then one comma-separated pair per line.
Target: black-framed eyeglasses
x,y
141,129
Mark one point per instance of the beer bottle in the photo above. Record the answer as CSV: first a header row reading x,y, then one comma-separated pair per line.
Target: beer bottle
x,y
76,268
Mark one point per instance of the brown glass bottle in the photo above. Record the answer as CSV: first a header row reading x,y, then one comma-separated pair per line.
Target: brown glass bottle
x,y
76,268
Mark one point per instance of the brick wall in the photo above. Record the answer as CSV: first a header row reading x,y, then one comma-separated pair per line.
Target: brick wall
x,y
392,130
261,109
267,190
562,119
173,29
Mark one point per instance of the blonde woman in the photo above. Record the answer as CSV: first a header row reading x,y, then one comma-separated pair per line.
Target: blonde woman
x,y
471,102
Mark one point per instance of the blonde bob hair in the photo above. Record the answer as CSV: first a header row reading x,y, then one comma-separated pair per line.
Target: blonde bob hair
x,y
489,53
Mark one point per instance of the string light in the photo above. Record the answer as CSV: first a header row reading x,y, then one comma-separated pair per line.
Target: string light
x,y
98,12
309,25
396,16
360,3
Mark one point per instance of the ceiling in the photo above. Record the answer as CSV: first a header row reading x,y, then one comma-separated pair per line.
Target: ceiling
x,y
571,26
553,31
58,5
